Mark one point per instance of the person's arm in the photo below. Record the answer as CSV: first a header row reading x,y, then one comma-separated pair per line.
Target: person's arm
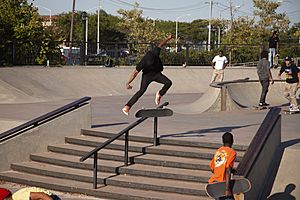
x,y
225,63
39,196
162,43
281,71
213,62
228,178
132,77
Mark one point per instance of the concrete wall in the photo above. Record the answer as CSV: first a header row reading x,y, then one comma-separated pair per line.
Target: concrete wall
x,y
37,139
263,166
29,84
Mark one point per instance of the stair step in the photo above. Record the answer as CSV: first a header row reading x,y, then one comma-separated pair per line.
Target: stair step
x,y
162,140
104,191
137,182
119,168
171,150
150,159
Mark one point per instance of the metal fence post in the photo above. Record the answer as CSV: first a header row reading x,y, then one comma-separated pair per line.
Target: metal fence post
x,y
95,170
126,149
155,131
187,57
14,52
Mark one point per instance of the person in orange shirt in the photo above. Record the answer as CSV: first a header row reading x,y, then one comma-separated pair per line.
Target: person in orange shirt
x,y
222,164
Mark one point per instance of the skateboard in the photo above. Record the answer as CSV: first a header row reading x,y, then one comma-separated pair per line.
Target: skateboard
x,y
156,112
218,189
290,112
260,107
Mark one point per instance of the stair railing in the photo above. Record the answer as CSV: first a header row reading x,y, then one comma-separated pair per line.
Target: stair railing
x,y
43,119
125,132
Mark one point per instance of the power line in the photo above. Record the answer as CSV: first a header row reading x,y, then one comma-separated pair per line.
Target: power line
x,y
179,9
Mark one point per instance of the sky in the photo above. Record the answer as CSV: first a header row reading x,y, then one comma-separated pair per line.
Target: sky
x,y
180,10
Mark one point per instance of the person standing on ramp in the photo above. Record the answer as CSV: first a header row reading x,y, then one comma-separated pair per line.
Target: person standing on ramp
x,y
265,77
152,68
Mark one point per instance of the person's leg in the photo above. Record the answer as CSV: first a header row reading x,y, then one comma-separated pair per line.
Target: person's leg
x,y
265,85
214,75
146,80
286,92
293,91
160,78
271,56
220,76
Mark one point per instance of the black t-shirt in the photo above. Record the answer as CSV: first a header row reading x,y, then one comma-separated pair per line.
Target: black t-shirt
x,y
273,42
291,73
151,62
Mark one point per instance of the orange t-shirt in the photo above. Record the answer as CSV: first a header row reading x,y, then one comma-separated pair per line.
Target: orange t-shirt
x,y
223,158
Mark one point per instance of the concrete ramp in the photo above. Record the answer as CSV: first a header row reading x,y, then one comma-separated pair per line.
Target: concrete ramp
x,y
247,94
209,101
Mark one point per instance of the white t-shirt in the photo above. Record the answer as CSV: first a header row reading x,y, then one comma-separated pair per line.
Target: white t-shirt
x,y
219,61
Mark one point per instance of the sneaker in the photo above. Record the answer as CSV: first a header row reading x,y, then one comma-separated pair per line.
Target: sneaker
x,y
263,104
125,110
157,98
294,109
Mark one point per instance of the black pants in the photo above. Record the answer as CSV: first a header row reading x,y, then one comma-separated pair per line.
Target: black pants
x,y
146,80
265,88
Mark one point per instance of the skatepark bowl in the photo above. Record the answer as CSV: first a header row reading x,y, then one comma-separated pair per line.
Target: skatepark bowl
x,y
48,122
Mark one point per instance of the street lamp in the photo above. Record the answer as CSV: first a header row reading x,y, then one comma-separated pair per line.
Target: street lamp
x,y
47,10
98,29
85,19
98,26
176,35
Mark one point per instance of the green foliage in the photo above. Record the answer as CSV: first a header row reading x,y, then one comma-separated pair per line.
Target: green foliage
x,y
268,19
138,29
107,27
20,21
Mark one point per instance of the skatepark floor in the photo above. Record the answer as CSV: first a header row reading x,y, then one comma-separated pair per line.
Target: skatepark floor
x,y
207,127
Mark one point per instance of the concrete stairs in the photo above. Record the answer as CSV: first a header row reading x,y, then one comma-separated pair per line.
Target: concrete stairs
x,y
172,170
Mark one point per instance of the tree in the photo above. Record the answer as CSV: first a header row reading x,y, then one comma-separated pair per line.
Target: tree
x,y
20,25
268,19
138,30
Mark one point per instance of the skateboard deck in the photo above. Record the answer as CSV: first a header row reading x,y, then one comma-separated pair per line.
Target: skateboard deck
x,y
156,112
290,112
260,107
218,189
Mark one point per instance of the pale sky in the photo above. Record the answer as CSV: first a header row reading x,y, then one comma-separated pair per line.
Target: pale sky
x,y
183,10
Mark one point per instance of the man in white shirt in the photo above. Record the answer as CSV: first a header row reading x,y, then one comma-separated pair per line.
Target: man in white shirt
x,y
219,63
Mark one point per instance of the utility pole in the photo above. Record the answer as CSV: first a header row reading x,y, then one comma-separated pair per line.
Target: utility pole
x,y
72,27
231,14
209,23
98,29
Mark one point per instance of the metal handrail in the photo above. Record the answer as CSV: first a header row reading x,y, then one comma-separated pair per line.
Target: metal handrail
x,y
42,119
125,131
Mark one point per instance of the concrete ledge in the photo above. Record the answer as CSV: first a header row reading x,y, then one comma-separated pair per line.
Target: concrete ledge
x,y
37,139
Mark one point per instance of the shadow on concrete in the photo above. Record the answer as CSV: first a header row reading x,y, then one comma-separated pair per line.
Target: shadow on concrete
x,y
204,132
286,195
274,170
112,124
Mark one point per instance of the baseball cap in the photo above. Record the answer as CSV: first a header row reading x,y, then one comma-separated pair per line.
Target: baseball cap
x,y
4,193
288,58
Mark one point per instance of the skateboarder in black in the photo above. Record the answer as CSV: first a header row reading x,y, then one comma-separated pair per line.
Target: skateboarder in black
x,y
152,68
222,164
265,76
292,83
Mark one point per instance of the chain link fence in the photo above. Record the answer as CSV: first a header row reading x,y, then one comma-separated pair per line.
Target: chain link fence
x,y
55,53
